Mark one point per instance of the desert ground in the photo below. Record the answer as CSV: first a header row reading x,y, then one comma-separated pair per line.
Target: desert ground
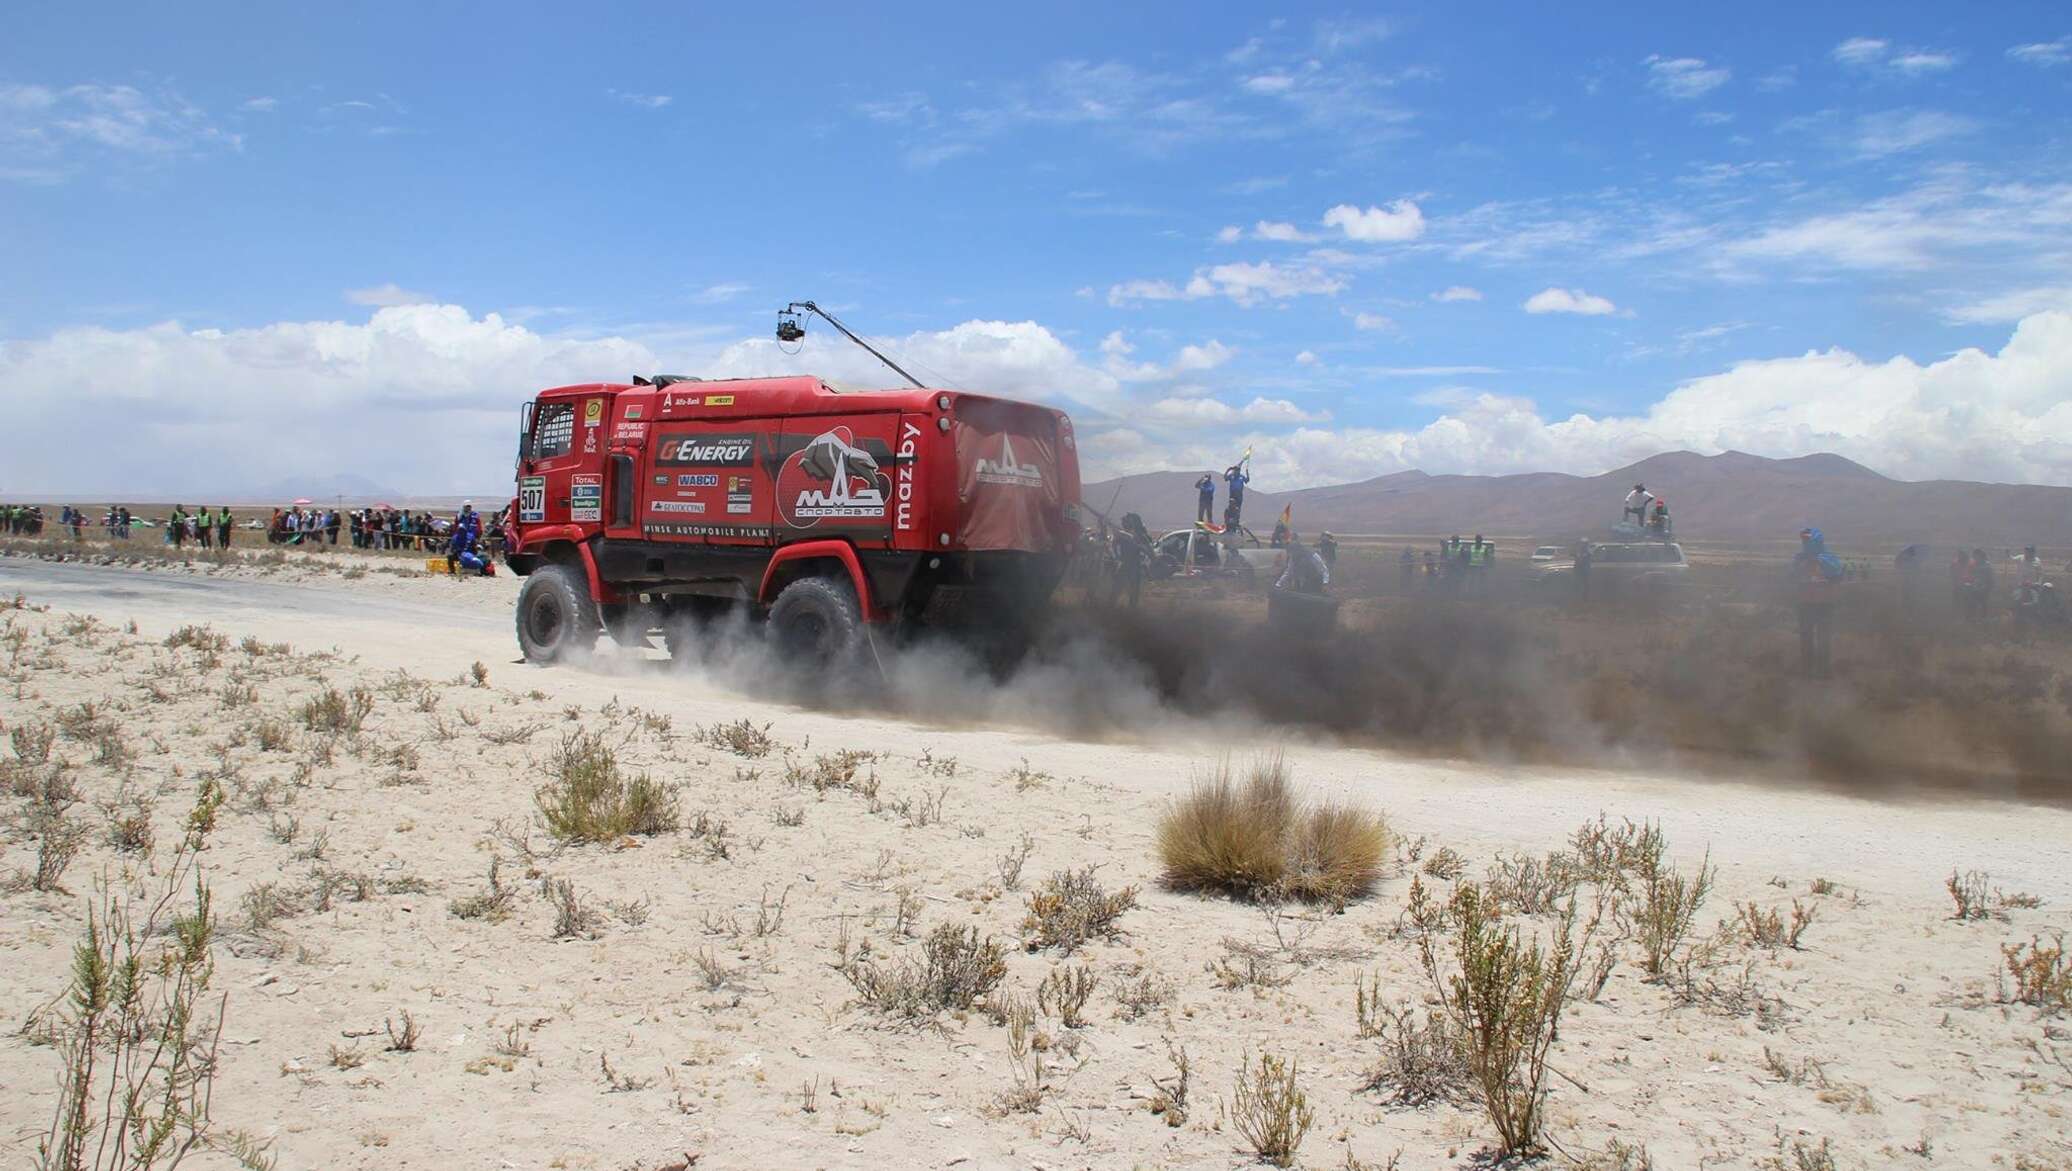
x,y
413,970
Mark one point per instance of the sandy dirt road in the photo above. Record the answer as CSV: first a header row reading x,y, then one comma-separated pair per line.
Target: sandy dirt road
x,y
723,1032
438,628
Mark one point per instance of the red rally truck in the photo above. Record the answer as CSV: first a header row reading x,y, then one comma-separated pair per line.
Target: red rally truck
x,y
668,501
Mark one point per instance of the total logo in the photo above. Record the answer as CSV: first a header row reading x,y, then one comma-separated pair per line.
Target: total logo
x,y
1006,471
831,478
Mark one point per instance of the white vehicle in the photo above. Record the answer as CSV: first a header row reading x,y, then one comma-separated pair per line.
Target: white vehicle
x,y
1198,552
1621,565
1549,553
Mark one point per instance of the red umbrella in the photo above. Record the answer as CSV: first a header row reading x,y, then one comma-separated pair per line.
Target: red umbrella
x,y
384,507
301,500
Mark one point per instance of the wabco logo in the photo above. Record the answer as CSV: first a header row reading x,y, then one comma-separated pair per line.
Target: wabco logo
x,y
1006,471
903,495
709,451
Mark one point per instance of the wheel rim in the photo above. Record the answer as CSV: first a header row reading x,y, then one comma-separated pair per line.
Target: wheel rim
x,y
544,621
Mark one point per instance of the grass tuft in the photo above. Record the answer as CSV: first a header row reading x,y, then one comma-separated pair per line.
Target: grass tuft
x,y
1258,839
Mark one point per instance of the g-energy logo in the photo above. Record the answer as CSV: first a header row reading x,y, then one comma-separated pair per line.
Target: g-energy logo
x,y
707,451
903,491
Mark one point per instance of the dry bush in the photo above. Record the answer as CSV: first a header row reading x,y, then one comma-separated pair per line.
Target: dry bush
x,y
1064,993
742,738
493,903
339,712
129,828
58,841
138,1047
1421,1061
1503,995
1259,839
1009,865
837,770
1135,997
2042,976
1270,1110
32,741
1969,891
1768,929
1446,863
1072,908
956,968
591,800
402,1038
573,918
1668,906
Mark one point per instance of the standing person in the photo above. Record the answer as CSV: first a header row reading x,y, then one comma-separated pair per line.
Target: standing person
x,y
1584,556
1815,571
203,531
224,523
1234,480
1637,502
1406,568
331,527
1205,499
2031,569
176,527
1981,585
1327,548
79,522
1431,569
1132,547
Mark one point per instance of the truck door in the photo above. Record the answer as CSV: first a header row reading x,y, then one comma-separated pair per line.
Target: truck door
x,y
834,477
706,480
556,452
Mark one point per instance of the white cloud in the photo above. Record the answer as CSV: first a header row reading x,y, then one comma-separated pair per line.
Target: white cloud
x,y
260,105
1269,83
387,295
1206,356
1214,412
1280,232
1891,132
1919,61
1372,322
644,101
1684,78
1555,300
1191,359
1457,293
1306,358
1399,221
1973,415
2013,306
2044,53
46,131
720,293
1245,283
1861,51
1231,234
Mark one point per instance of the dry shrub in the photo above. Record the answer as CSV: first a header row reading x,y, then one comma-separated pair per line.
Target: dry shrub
x,y
590,799
1271,1110
1071,908
1064,993
573,918
58,841
1421,1060
335,711
1768,929
1969,892
1259,839
1668,907
956,968
138,1045
2042,976
742,738
1503,995
493,903
32,741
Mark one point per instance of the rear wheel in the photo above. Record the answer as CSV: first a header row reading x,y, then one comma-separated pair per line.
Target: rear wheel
x,y
556,619
815,622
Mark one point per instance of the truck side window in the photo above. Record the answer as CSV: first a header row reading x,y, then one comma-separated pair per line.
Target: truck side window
x,y
553,430
622,489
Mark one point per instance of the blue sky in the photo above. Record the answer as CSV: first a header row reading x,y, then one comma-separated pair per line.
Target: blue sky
x,y
1477,238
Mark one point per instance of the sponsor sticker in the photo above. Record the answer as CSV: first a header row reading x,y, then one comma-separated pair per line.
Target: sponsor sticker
x,y
661,481
740,507
743,532
633,410
831,478
629,433
698,480
593,412
532,500
586,498
903,495
701,450
1006,470
696,506
719,400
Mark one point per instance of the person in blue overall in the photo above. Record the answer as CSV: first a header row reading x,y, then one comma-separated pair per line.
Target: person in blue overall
x,y
1235,478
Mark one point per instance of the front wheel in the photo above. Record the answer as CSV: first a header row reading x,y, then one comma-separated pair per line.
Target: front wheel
x,y
814,623
556,618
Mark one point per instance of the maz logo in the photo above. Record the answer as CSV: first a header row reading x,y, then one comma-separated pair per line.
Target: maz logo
x,y
1006,471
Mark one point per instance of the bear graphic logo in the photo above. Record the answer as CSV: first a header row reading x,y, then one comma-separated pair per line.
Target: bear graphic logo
x,y
831,478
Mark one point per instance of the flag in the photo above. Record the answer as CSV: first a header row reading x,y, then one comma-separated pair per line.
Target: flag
x,y
1288,514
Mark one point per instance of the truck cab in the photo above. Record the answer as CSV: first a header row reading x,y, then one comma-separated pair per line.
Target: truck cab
x,y
665,501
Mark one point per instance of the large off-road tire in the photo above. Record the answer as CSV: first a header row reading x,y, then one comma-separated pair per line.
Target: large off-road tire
x,y
815,623
556,618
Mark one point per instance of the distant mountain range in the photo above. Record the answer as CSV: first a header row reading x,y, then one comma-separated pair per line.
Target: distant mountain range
x,y
1732,496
